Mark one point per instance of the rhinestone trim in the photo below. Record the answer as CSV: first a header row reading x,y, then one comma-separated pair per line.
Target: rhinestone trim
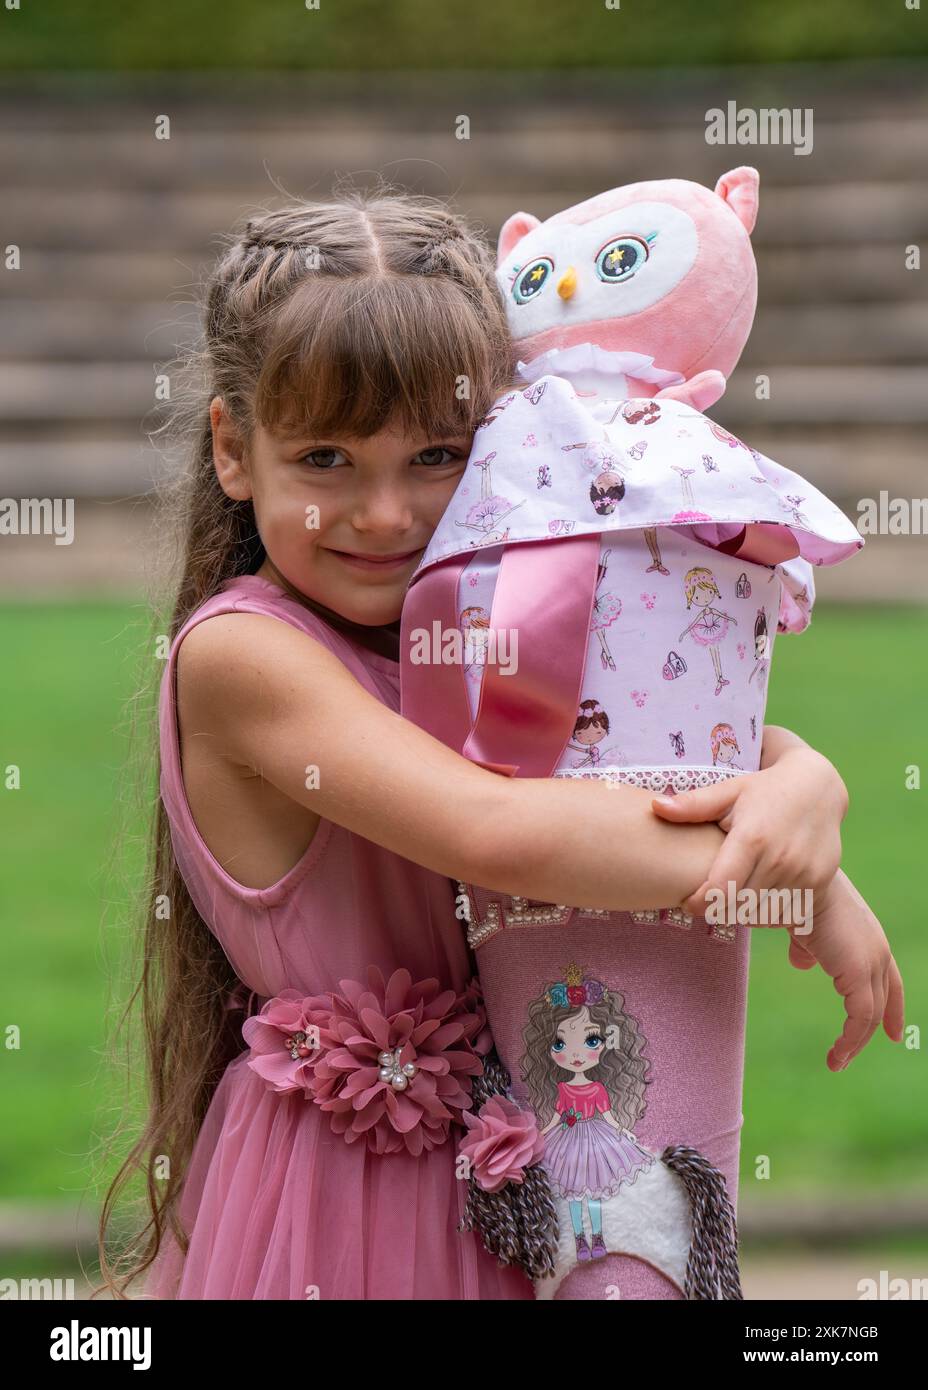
x,y
655,779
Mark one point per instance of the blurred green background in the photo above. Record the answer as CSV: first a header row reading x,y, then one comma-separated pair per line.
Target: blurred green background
x,y
389,34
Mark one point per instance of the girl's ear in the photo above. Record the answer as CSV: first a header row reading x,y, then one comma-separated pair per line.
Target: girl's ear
x,y
739,188
514,229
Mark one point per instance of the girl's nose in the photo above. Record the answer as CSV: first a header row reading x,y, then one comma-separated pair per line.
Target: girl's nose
x,y
383,513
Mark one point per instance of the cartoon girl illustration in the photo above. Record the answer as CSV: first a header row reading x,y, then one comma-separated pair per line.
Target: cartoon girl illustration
x,y
495,412
724,746
484,516
591,727
689,512
650,535
606,492
724,437
640,412
585,1077
761,649
475,625
710,628
606,608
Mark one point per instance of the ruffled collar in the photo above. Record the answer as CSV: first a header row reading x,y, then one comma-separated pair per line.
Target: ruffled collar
x,y
585,359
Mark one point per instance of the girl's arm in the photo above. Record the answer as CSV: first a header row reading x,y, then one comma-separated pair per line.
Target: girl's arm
x,y
276,701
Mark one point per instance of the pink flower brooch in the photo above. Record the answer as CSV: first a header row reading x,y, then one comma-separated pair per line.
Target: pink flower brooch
x,y
389,1061
502,1141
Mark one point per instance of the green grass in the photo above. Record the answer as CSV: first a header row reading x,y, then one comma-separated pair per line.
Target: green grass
x,y
67,674
372,34
853,686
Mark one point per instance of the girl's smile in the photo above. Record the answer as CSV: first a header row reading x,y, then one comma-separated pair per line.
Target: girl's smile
x,y
376,562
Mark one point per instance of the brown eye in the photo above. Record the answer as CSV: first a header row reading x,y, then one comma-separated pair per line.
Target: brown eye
x,y
323,459
432,457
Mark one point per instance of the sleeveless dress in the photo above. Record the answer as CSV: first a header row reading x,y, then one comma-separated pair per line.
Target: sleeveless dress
x,y
294,1192
587,568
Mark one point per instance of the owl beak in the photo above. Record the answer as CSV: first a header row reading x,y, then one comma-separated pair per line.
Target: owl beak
x,y
567,283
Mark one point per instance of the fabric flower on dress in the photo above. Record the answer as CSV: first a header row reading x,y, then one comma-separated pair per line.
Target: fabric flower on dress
x,y
502,1141
286,1040
396,1060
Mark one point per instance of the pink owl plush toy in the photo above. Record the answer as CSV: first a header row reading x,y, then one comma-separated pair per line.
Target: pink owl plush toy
x,y
616,566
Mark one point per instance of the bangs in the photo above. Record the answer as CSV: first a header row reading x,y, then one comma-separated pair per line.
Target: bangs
x,y
349,356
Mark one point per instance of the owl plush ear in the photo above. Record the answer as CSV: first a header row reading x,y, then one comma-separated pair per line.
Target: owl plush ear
x,y
739,189
514,229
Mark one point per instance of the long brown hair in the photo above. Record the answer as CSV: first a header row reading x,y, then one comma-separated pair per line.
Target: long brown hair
x,y
340,317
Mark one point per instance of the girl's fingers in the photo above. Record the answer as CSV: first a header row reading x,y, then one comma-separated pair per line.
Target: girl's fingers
x,y
799,956
860,1023
701,804
734,863
894,1014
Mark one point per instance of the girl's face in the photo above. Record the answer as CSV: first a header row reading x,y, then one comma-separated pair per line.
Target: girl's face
x,y
702,596
726,752
593,733
344,521
578,1045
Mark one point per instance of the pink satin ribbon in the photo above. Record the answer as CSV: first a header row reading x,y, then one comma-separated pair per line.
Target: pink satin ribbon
x,y
544,593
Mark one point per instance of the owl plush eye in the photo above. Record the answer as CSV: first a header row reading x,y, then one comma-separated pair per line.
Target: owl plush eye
x,y
532,280
620,259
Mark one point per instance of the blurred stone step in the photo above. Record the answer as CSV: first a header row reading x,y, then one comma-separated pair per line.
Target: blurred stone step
x,y
46,218
885,88
828,395
813,333
866,273
102,468
38,392
821,334
130,157
74,329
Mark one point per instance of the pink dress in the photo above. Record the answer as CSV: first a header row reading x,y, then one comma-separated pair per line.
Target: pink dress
x,y
585,1156
277,1202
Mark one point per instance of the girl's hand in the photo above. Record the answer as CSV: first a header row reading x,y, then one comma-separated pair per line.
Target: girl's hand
x,y
782,825
849,944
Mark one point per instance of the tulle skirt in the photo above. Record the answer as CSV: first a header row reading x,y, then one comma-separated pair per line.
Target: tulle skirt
x,y
279,1207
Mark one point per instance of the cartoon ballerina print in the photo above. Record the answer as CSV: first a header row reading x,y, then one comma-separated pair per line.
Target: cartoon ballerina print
x,y
590,728
710,627
606,608
475,625
486,515
761,649
650,535
585,1078
689,511
724,744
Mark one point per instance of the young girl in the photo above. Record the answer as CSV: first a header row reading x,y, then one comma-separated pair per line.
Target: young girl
x,y
312,1023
